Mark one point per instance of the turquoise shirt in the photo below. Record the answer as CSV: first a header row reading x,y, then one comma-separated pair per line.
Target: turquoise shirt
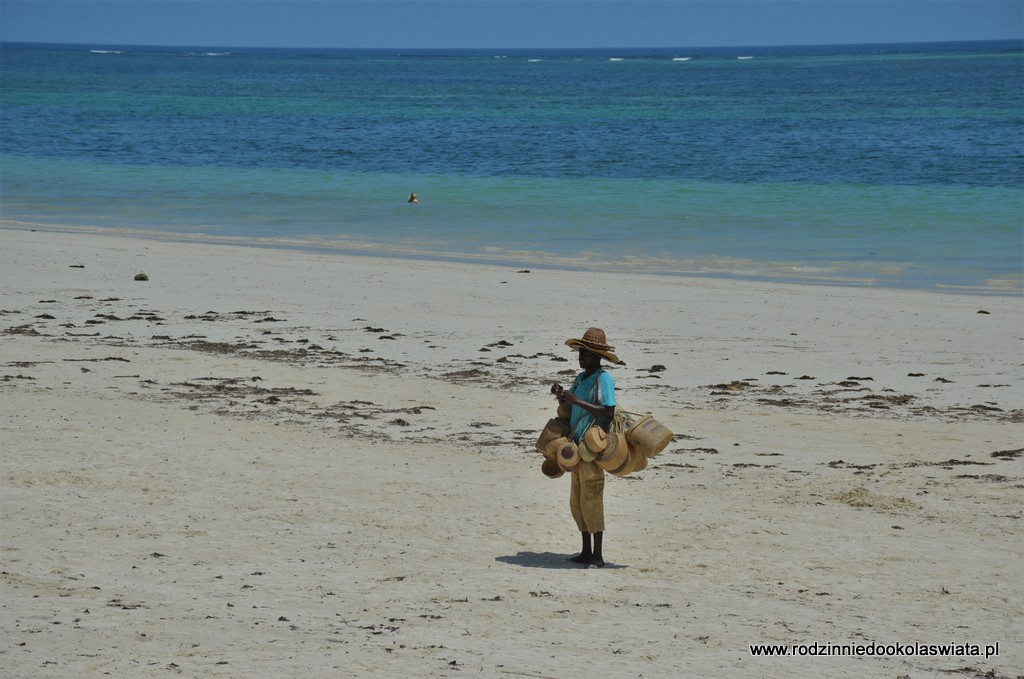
x,y
599,388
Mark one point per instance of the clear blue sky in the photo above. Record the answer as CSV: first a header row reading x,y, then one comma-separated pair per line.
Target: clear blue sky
x,y
506,23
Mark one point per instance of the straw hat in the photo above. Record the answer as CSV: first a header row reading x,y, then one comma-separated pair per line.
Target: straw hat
x,y
594,341
616,453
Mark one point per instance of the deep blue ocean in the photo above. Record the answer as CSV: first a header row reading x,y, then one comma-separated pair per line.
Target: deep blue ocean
x,y
888,165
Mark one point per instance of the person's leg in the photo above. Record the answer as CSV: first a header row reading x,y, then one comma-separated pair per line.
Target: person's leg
x,y
591,492
596,558
587,554
591,497
575,506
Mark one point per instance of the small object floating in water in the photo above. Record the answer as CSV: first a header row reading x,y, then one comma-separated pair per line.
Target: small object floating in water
x,y
141,277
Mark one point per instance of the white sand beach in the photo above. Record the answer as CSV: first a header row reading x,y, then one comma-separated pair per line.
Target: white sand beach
x,y
268,462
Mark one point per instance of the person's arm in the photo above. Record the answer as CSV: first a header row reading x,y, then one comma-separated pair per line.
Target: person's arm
x,y
594,409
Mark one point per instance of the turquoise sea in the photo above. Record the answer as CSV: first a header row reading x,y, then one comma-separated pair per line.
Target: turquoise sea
x,y
888,165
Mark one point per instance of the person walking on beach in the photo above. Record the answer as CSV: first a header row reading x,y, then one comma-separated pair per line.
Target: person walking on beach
x,y
592,397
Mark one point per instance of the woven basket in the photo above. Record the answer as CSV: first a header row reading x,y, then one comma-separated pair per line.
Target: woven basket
x,y
564,411
566,453
649,436
624,468
635,462
615,452
550,468
596,439
637,459
553,430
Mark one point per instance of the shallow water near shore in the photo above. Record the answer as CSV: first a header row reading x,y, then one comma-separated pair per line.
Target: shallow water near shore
x,y
883,165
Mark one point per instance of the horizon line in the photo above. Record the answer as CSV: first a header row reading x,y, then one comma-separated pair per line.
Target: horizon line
x,y
519,49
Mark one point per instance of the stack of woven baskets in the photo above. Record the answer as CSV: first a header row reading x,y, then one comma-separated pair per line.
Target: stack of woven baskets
x,y
623,450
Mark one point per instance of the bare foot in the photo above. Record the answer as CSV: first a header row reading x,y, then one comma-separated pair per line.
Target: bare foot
x,y
581,558
597,561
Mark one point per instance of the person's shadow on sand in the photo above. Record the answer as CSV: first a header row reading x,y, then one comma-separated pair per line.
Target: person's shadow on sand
x,y
545,560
